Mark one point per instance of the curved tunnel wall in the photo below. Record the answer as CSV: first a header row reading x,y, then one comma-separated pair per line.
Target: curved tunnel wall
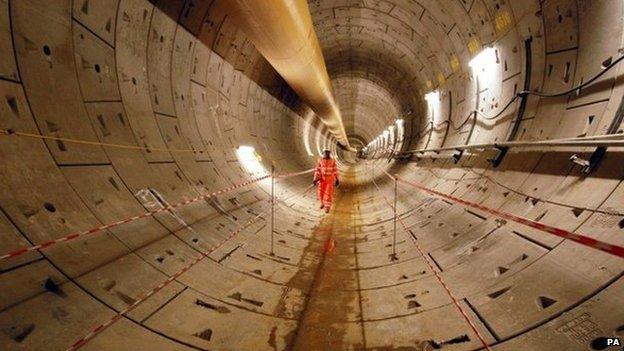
x,y
179,76
127,75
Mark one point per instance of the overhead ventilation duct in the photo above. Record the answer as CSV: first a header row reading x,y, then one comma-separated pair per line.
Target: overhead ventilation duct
x,y
283,33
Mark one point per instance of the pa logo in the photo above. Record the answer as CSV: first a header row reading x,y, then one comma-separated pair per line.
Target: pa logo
x,y
603,343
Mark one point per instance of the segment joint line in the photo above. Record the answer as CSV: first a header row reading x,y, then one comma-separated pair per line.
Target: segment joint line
x,y
169,208
582,239
100,328
434,271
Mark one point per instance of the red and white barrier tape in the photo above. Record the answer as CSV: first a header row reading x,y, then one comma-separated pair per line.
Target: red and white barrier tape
x,y
100,328
562,233
77,235
294,174
439,278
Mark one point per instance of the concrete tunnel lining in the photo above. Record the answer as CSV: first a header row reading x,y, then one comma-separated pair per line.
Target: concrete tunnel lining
x,y
161,95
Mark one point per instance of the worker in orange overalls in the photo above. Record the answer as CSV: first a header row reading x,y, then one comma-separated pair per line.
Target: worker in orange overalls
x,y
326,177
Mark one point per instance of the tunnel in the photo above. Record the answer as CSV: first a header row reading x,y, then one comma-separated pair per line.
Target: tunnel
x,y
157,161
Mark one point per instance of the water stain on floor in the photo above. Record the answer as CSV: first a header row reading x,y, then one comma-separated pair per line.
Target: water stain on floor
x,y
331,315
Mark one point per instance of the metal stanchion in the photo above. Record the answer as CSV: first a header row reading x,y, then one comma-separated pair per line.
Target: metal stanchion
x,y
272,209
394,234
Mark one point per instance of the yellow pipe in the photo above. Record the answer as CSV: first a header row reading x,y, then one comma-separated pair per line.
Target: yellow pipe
x,y
283,33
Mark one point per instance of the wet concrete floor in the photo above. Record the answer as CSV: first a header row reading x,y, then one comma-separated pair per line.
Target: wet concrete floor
x,y
332,317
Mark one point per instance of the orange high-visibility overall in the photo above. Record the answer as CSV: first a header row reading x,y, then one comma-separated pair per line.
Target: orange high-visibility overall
x,y
326,172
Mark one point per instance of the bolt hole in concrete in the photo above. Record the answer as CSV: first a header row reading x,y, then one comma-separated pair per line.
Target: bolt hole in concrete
x,y
456,340
51,286
206,334
499,292
61,146
239,297
413,304
49,207
220,309
577,212
545,302
19,333
12,102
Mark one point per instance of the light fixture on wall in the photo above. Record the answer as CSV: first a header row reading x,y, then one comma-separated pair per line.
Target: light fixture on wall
x,y
319,146
386,135
432,96
391,134
433,99
484,66
250,159
306,133
483,59
400,131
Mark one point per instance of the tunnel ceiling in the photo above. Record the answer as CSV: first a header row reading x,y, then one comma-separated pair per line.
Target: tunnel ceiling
x,y
137,211
406,47
376,41
409,47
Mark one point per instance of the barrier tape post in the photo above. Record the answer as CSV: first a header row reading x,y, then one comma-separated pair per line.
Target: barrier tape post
x,y
76,235
272,210
439,278
97,330
394,209
585,240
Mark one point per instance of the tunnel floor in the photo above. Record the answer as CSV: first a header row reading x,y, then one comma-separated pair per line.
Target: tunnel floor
x,y
332,316
338,312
